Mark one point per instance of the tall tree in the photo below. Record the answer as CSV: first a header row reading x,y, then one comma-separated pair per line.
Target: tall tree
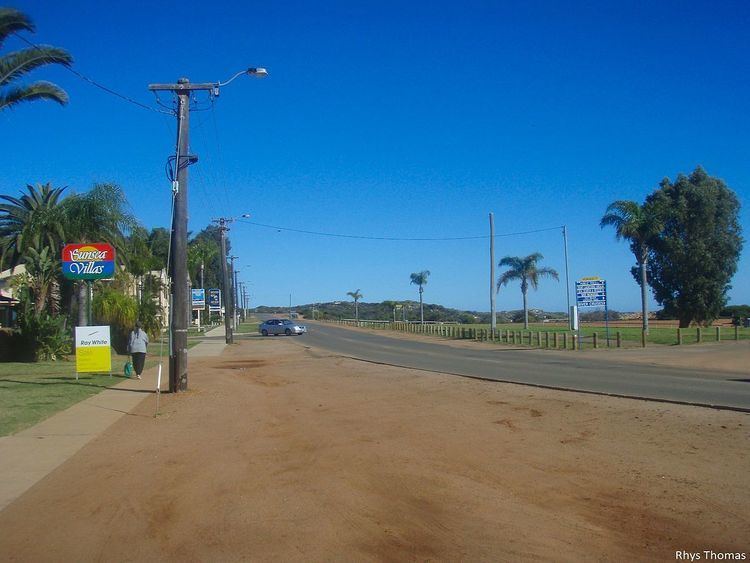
x,y
35,220
158,243
692,260
15,65
524,269
201,253
356,295
100,215
637,224
211,235
420,279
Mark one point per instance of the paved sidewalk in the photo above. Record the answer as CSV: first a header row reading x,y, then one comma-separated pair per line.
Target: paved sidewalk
x,y
28,456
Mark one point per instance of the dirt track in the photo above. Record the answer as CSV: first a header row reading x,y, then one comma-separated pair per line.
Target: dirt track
x,y
279,454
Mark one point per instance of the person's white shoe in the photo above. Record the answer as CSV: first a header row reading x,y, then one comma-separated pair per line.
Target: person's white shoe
x,y
138,376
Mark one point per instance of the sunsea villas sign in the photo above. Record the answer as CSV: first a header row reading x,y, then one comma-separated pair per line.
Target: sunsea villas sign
x,y
88,261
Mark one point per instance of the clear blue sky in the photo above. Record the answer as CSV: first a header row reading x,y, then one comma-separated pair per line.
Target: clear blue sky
x,y
400,120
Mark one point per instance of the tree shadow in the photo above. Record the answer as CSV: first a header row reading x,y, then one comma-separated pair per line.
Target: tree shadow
x,y
83,382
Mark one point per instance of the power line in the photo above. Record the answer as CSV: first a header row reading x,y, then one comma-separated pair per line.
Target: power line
x,y
415,239
100,86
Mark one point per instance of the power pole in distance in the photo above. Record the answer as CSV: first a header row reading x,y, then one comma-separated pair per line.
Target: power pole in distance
x,y
178,377
225,289
234,291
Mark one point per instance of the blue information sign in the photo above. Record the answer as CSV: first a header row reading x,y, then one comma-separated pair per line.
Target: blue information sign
x,y
591,293
214,300
199,298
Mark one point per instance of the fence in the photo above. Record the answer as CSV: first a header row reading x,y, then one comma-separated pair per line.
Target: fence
x,y
587,337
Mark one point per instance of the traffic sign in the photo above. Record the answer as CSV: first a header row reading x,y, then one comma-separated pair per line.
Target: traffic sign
x,y
591,292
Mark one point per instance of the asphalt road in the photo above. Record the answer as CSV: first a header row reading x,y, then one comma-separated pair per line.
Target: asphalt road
x,y
568,371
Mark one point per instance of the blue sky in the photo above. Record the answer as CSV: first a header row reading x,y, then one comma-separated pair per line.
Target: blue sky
x,y
407,120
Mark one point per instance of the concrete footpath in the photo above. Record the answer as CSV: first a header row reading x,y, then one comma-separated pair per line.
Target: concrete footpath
x,y
31,454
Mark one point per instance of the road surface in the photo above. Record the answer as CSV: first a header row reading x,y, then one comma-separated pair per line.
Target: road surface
x,y
568,371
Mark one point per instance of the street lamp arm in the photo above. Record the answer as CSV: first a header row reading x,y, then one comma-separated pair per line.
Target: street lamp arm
x,y
259,72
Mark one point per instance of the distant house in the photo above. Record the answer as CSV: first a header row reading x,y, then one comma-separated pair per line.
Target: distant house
x,y
8,301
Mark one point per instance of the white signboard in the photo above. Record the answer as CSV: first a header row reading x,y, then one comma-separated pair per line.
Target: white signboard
x,y
92,350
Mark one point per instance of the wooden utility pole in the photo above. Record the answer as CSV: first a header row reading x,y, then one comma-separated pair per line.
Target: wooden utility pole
x,y
180,296
233,279
225,286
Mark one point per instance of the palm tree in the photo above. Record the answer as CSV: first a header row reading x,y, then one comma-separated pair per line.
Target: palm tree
x,y
16,64
638,224
420,279
356,295
526,270
32,221
100,215
200,253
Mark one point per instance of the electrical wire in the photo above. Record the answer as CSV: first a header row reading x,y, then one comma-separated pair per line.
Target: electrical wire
x,y
98,85
412,239
220,157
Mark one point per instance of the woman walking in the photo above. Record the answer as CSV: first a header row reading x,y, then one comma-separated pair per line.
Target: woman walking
x,y
137,345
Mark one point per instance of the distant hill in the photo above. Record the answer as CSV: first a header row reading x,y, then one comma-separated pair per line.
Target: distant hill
x,y
405,309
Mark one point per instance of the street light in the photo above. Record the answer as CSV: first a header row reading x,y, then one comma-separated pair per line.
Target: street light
x,y
259,72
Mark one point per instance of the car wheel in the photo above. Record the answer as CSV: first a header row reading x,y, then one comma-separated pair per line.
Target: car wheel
x,y
288,332
264,332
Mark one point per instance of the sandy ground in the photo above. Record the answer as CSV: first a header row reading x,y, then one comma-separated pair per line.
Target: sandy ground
x,y
281,453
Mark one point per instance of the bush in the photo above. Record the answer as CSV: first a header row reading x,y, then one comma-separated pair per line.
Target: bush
x,y
42,337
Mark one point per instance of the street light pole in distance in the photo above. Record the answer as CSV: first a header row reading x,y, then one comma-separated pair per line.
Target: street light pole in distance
x,y
226,278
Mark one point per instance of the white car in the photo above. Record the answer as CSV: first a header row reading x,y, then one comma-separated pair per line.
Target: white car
x,y
281,326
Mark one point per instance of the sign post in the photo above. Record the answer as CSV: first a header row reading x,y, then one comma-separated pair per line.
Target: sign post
x,y
592,292
198,299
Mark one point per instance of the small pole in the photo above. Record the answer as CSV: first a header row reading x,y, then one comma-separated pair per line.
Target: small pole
x,y
493,292
567,277
619,339
643,338
718,334
158,390
89,300
606,312
679,336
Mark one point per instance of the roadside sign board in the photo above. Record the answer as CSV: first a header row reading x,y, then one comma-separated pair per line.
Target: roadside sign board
x,y
198,298
591,292
92,349
214,300
88,261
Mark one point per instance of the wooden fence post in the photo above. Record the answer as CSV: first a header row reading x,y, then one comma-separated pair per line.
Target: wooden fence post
x,y
565,340
718,334
698,335
596,341
679,336
619,339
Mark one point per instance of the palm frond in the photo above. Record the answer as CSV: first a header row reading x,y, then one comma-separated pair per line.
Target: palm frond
x,y
11,21
41,90
18,63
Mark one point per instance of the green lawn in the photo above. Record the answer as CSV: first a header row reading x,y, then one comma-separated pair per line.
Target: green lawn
x,y
247,327
31,392
630,336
